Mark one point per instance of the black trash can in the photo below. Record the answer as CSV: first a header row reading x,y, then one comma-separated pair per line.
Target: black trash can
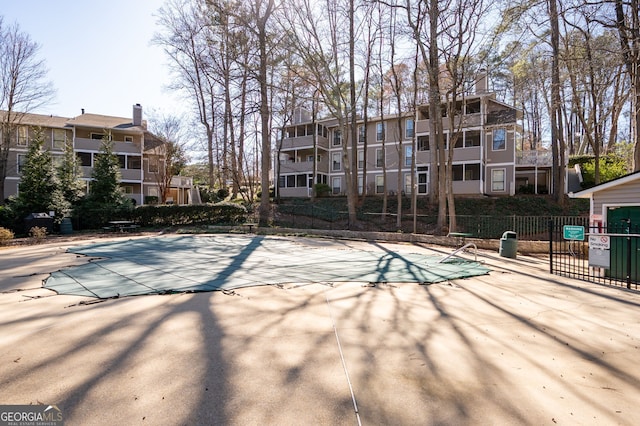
x,y
509,244
42,220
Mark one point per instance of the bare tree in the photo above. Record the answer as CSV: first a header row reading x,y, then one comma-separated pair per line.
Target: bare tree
x,y
324,46
23,87
167,145
184,40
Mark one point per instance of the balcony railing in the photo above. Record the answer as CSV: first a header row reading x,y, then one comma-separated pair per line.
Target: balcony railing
x,y
534,158
181,182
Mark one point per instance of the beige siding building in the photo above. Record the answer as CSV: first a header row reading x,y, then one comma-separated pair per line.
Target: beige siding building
x,y
485,160
136,148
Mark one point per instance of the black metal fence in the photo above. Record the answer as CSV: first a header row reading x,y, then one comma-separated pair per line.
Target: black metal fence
x,y
602,255
489,227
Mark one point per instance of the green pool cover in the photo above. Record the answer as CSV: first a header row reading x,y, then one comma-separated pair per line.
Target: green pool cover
x,y
193,263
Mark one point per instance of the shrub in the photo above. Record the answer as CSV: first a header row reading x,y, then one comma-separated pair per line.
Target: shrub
x,y
222,193
38,234
220,213
150,199
322,189
5,236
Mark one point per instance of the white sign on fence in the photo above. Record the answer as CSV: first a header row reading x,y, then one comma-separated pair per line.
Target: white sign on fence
x,y
599,258
599,242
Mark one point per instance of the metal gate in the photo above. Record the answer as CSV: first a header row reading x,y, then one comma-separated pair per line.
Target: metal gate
x,y
604,254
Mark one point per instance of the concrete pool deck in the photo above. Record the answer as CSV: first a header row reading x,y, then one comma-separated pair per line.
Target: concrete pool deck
x,y
516,346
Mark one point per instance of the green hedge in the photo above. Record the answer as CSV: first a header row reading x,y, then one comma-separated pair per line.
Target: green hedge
x,y
219,214
163,215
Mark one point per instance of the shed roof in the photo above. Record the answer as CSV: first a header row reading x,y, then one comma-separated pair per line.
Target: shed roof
x,y
586,193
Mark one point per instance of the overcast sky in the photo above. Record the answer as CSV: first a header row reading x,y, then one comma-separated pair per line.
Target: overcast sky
x,y
98,53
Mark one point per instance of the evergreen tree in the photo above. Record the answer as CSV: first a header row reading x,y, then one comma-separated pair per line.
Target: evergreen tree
x,y
69,174
39,189
105,186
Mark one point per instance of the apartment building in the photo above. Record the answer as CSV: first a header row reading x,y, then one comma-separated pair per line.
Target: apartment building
x,y
486,158
139,151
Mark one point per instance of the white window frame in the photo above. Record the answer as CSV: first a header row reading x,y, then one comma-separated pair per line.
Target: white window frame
x,y
380,160
22,136
20,164
337,136
336,185
56,142
360,184
361,133
381,131
128,139
406,128
338,156
407,183
408,151
493,140
379,187
360,159
495,183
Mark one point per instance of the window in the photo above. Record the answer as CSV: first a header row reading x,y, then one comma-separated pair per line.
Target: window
x,y
85,158
134,162
379,158
128,138
360,159
97,136
380,131
22,159
291,181
473,107
409,128
360,185
154,166
457,172
337,137
301,181
379,184
407,183
423,180
497,180
472,171
122,161
499,139
59,139
459,140
408,150
23,135
423,143
127,189
472,138
281,182
336,184
336,162
361,134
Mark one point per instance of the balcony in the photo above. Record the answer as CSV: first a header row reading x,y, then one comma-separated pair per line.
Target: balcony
x,y
304,142
534,158
468,120
95,144
183,182
287,166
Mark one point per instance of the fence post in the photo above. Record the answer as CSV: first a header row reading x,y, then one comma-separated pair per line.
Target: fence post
x,y
551,246
629,262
